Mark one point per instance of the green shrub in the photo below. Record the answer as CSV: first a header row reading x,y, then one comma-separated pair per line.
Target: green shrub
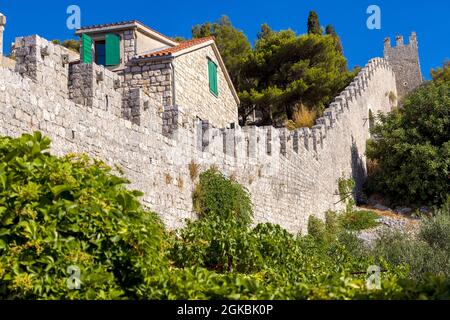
x,y
346,192
412,147
316,228
218,244
332,227
436,230
427,255
71,211
216,194
420,258
220,240
359,220
278,249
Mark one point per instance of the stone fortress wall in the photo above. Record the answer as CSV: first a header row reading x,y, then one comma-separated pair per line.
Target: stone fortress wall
x,y
289,174
404,60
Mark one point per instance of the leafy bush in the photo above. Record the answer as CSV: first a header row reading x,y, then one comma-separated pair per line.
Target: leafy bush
x,y
427,255
217,195
71,211
218,244
436,230
420,258
412,147
359,220
316,228
442,74
346,192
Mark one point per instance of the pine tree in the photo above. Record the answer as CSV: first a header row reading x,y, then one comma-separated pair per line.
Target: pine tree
x,y
313,23
232,43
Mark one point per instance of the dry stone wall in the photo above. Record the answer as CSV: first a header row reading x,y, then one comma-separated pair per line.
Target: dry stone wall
x,y
290,174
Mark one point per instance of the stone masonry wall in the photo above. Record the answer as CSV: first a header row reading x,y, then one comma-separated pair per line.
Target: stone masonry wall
x,y
192,89
95,86
290,175
404,60
154,78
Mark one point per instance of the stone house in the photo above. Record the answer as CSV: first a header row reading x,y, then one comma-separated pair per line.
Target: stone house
x,y
190,76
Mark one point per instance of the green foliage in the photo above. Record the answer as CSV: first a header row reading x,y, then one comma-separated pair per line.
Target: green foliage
x,y
412,147
316,228
70,44
442,74
330,31
436,230
59,212
286,70
217,195
217,243
282,71
71,211
232,43
346,189
359,220
314,24
426,255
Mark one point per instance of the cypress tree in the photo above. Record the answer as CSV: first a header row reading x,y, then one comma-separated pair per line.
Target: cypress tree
x,y
313,23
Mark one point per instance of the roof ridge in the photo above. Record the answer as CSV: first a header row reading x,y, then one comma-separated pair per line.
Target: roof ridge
x,y
111,24
180,46
120,23
198,39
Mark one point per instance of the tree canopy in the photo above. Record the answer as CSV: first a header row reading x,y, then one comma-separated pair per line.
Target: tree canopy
x,y
313,23
412,146
442,74
283,71
232,43
286,70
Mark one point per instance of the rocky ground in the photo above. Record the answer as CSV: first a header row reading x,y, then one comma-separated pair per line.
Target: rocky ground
x,y
401,219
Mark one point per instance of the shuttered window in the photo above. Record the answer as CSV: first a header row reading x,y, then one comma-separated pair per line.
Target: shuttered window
x,y
86,43
107,52
212,74
100,53
112,50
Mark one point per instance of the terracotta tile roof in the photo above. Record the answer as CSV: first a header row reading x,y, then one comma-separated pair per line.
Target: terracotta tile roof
x,y
181,46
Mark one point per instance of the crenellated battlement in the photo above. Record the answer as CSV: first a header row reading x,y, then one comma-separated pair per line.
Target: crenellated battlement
x,y
289,174
300,140
404,60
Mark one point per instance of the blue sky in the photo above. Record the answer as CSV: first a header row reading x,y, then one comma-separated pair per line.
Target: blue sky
x,y
430,19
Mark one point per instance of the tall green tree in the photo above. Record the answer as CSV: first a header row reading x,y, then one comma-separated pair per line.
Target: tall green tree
x,y
232,43
313,23
442,74
286,70
412,147
329,30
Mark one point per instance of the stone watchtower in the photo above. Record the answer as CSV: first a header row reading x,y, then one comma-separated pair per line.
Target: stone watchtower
x,y
404,60
2,29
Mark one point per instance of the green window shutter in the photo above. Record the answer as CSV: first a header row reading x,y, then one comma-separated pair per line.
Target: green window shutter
x,y
212,74
112,50
86,43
